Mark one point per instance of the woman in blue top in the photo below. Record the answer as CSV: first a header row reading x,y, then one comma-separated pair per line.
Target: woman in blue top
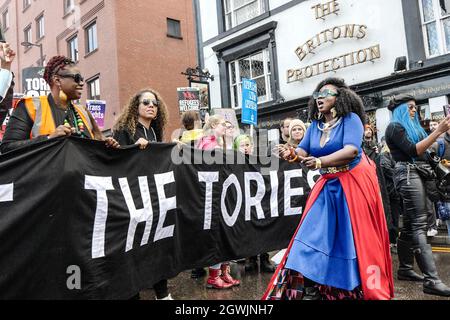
x,y
341,247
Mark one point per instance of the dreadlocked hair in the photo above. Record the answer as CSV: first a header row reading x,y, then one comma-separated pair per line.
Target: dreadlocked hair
x,y
129,118
55,65
347,101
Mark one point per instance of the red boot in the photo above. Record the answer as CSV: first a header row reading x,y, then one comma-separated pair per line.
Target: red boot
x,y
215,281
226,276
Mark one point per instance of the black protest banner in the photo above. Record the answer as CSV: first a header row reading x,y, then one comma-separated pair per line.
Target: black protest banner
x,y
80,221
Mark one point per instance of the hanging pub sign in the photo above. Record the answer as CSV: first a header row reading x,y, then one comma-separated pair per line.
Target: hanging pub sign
x,y
33,82
188,99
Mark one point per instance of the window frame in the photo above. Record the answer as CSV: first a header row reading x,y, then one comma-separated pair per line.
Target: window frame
x,y
69,48
27,31
267,75
5,20
89,83
438,20
68,9
26,4
180,35
40,18
262,9
86,30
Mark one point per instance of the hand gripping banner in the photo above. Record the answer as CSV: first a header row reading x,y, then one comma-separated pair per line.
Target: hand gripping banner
x,y
80,221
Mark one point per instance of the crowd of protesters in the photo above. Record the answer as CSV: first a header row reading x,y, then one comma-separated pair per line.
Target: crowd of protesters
x,y
339,235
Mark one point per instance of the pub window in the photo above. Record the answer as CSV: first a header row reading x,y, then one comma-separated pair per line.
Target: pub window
x,y
173,28
435,16
240,11
256,67
94,88
73,48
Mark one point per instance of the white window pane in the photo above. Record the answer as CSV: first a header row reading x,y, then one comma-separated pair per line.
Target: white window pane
x,y
433,41
244,68
246,13
428,12
262,90
228,21
257,65
446,25
227,5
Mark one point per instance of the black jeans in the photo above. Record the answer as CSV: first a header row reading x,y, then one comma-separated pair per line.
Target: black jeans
x,y
411,188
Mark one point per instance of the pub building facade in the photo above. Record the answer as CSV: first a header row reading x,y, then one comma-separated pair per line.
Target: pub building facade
x,y
381,48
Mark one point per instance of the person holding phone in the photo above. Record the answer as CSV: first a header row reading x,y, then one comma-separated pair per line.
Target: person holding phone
x,y
408,143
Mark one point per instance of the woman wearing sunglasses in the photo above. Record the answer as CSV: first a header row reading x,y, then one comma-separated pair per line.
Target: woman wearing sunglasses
x,y
143,120
55,115
408,143
341,247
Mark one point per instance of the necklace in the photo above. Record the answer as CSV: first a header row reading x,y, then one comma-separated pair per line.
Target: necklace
x,y
326,130
73,119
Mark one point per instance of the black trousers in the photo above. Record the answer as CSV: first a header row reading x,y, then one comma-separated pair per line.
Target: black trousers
x,y
411,188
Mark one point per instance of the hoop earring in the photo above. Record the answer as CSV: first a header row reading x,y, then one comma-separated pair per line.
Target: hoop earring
x,y
333,112
63,96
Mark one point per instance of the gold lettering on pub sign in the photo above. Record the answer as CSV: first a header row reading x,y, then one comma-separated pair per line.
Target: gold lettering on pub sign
x,y
357,31
329,35
334,64
323,10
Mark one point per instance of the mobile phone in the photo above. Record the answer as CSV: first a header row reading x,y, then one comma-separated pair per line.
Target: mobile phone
x,y
446,109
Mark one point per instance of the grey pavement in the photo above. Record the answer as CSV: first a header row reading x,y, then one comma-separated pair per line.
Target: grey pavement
x,y
254,284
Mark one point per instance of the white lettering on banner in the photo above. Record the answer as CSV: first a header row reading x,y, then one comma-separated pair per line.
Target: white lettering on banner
x,y
209,178
138,215
311,177
274,195
291,192
165,205
256,200
6,192
231,220
101,185
250,85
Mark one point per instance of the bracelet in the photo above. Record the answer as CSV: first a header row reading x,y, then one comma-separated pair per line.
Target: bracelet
x,y
318,163
293,160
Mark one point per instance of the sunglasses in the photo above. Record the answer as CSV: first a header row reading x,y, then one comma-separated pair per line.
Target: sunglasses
x,y
412,106
76,77
148,102
324,94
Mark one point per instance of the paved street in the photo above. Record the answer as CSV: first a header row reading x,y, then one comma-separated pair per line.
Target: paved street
x,y
253,285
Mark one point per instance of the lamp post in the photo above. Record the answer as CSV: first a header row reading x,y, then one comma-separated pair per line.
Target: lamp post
x,y
29,44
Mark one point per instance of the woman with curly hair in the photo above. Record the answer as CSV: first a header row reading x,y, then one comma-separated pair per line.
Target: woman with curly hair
x,y
341,247
143,120
46,117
